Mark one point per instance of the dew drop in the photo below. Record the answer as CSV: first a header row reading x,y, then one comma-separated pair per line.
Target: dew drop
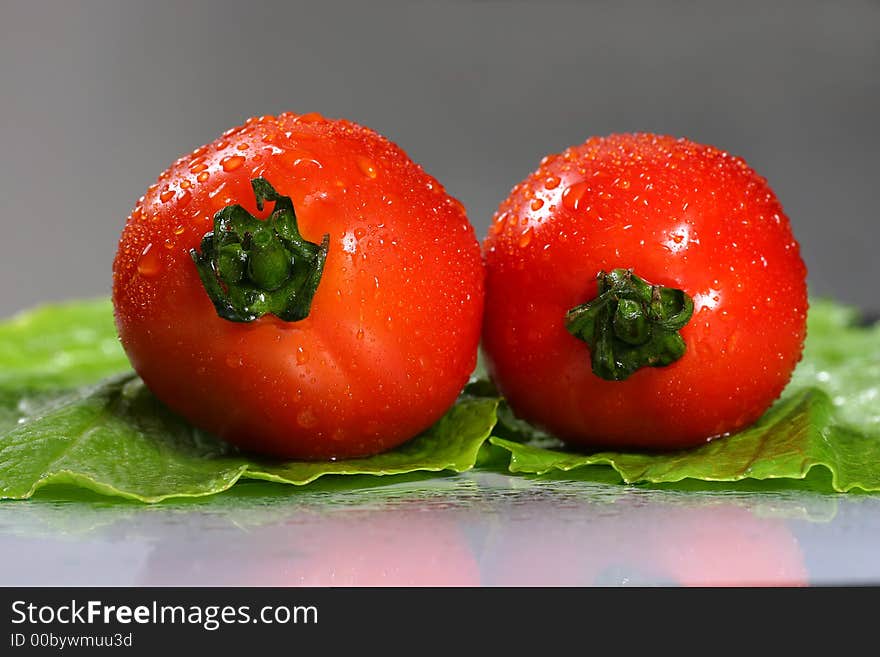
x,y
179,230
302,357
184,199
166,196
243,147
525,238
306,418
536,204
458,205
552,182
150,262
303,166
572,196
202,177
185,184
198,168
232,162
360,334
367,167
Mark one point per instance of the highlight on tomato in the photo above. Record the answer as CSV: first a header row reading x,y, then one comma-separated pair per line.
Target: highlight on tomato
x,y
301,288
642,292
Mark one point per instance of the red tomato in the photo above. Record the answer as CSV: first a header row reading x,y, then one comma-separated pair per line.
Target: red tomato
x,y
376,355
695,343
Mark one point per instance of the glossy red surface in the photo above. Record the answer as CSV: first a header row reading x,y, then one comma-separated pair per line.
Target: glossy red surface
x,y
681,214
394,326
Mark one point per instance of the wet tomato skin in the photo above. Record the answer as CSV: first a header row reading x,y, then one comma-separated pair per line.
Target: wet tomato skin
x,y
393,329
680,214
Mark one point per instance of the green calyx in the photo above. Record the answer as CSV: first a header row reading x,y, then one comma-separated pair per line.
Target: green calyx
x,y
631,324
251,267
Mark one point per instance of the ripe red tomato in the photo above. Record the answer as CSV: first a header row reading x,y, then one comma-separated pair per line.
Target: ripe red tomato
x,y
342,325
642,291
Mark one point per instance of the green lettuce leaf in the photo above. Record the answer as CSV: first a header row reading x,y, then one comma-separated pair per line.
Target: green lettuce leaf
x,y
60,346
116,438
828,417
72,412
62,421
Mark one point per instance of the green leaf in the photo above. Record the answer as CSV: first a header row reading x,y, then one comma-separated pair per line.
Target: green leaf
x,y
60,424
828,417
63,422
116,438
60,346
453,443
843,359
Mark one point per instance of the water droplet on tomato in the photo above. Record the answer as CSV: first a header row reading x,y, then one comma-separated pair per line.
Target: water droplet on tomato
x,y
572,196
243,146
306,418
217,190
202,177
302,357
367,167
525,238
360,334
232,162
458,205
502,222
552,182
185,184
166,196
150,262
179,230
184,199
536,204
198,167
303,166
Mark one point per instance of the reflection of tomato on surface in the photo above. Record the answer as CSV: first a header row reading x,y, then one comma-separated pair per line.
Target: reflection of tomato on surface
x,y
387,549
729,546
395,547
712,545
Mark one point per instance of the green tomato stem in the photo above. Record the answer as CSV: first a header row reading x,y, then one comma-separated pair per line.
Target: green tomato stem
x,y
631,324
251,268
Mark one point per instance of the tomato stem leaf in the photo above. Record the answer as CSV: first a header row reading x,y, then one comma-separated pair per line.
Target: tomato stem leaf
x,y
631,324
251,268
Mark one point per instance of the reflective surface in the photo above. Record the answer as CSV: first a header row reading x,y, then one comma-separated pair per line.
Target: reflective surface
x,y
473,529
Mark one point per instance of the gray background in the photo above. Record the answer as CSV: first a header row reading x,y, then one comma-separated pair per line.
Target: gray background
x,y
97,98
